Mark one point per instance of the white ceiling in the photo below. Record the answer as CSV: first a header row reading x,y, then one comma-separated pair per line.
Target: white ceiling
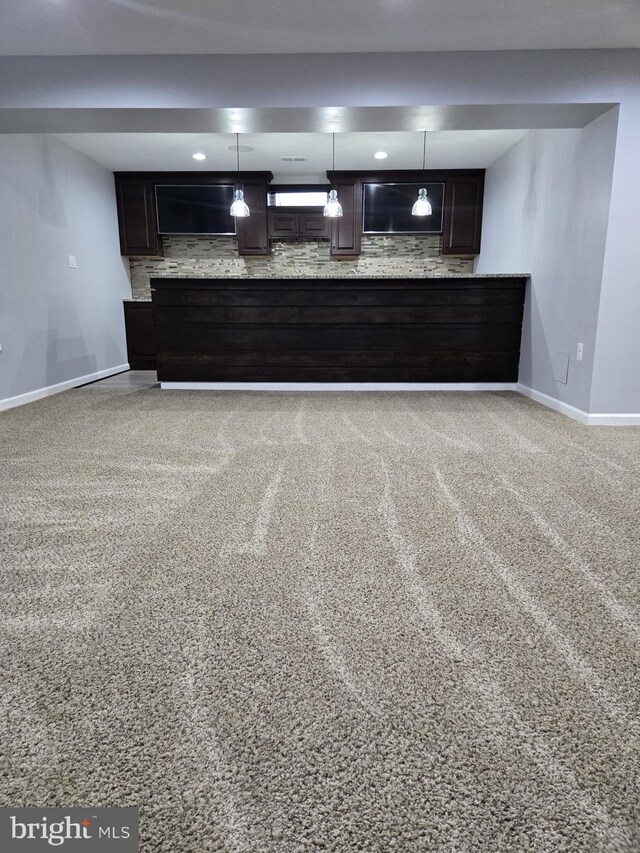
x,y
73,27
470,149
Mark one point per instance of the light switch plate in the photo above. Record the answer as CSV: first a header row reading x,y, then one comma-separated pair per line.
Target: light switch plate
x,y
73,262
579,351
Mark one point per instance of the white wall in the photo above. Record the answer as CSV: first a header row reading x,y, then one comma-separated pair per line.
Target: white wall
x,y
546,212
56,323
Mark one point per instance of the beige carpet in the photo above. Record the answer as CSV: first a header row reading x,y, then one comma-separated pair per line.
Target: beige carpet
x,y
323,622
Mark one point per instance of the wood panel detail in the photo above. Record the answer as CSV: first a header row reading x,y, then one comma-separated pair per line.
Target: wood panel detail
x,y
297,330
295,225
463,215
138,323
137,218
346,231
252,232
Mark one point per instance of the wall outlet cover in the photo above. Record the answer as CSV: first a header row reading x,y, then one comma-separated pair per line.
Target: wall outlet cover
x,y
73,262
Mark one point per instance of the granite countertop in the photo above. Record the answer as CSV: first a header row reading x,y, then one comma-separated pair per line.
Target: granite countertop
x,y
340,277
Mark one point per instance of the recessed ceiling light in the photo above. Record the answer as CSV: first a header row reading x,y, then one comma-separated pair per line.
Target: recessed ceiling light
x,y
199,156
381,155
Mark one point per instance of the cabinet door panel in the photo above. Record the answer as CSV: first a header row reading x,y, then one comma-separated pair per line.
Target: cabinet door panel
x,y
314,225
463,215
137,218
141,347
346,231
253,234
283,225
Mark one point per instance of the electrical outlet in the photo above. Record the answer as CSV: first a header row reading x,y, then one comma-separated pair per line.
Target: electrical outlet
x,y
73,262
579,352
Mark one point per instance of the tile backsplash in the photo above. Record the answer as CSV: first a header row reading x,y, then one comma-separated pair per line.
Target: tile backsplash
x,y
399,254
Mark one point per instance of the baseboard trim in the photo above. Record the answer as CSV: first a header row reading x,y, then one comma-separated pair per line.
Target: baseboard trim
x,y
614,420
553,403
338,386
596,419
32,396
586,418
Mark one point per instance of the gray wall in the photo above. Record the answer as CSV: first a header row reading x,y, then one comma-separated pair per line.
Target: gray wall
x,y
616,373
546,212
319,80
56,323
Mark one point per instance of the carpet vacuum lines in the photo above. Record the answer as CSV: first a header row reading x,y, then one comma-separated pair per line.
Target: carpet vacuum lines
x,y
257,545
481,683
215,770
476,542
489,694
329,647
572,558
295,641
556,437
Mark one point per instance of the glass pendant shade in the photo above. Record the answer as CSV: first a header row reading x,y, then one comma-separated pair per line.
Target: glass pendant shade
x,y
333,207
422,207
239,206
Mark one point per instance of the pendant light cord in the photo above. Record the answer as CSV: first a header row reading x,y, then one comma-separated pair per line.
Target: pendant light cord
x,y
333,162
238,152
424,155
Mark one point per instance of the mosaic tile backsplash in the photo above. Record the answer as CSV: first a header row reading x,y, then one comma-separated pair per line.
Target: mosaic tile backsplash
x,y
400,254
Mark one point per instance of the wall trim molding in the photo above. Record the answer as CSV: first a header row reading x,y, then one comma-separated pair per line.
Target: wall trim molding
x,y
553,403
617,419
49,390
586,418
339,386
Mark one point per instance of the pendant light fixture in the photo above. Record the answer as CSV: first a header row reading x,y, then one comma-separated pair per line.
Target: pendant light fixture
x,y
239,206
422,207
333,208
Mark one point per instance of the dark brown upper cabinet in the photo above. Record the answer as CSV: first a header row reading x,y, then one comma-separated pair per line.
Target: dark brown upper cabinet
x,y
135,193
463,214
305,225
346,230
137,217
252,231
314,225
283,225
297,221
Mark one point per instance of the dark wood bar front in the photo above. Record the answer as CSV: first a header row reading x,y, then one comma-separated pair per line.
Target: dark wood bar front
x,y
440,329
